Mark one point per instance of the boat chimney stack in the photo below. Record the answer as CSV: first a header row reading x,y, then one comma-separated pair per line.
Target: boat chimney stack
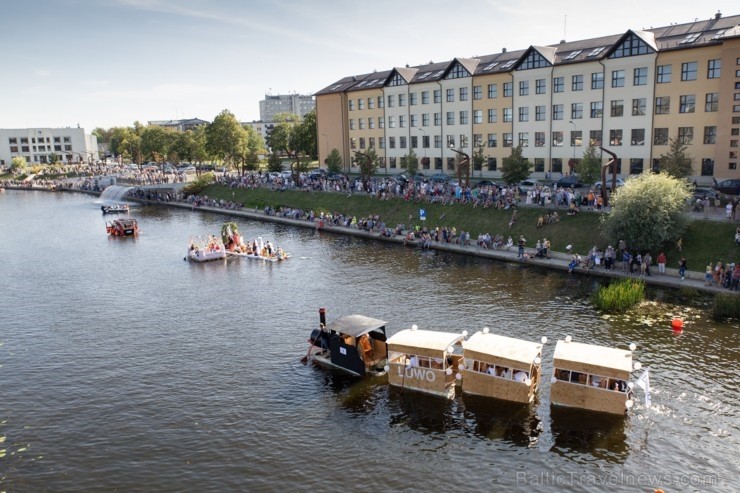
x,y
322,316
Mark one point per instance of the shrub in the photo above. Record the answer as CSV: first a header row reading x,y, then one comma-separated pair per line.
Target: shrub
x,y
197,186
619,296
726,306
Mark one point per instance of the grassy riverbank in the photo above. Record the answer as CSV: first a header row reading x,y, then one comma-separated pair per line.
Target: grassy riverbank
x,y
704,241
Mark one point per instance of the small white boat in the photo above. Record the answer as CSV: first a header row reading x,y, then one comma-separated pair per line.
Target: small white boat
x,y
424,360
591,377
355,344
502,367
206,249
114,209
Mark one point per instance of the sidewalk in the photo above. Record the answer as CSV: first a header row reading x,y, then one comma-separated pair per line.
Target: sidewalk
x,y
559,260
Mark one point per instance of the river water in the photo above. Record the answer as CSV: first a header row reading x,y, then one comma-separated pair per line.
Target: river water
x,y
124,368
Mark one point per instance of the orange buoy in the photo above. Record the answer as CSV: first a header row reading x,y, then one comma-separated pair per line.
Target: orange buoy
x,y
677,324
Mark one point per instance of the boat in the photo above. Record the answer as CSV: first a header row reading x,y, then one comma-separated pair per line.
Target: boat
x,y
424,360
502,367
355,344
114,209
255,250
595,378
122,227
206,249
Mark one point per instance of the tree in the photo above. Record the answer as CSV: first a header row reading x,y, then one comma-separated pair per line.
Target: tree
x,y
647,211
156,143
589,167
515,167
18,164
368,162
676,163
410,163
296,139
130,145
334,161
226,138
478,159
274,162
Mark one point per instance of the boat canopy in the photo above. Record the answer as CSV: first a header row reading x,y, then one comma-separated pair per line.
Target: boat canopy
x,y
423,342
355,325
589,358
501,349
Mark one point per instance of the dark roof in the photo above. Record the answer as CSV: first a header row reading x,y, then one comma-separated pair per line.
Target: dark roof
x,y
676,36
355,325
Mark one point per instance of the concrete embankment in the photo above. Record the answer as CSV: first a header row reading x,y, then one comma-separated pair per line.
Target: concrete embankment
x,y
558,260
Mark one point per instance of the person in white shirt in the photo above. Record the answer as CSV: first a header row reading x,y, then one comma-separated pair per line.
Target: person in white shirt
x,y
520,376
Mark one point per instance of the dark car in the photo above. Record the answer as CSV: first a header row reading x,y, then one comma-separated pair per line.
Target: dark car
x,y
701,193
728,187
336,176
570,181
316,174
485,183
440,178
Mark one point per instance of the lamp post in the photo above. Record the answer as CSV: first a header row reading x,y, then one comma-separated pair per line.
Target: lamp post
x,y
573,139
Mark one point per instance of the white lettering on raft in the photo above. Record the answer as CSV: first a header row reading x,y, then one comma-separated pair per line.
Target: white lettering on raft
x,y
418,373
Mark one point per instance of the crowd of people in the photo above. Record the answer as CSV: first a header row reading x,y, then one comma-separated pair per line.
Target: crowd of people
x,y
629,261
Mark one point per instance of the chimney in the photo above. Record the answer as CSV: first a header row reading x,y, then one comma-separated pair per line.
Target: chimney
x,y
503,50
718,15
562,41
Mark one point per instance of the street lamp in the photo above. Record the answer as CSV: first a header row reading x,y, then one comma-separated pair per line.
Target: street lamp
x,y
573,138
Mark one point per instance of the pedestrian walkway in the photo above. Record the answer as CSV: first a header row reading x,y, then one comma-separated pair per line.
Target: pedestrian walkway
x,y
558,260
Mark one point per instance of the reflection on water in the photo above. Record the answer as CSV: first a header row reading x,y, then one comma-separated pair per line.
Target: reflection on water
x,y
125,368
584,436
494,419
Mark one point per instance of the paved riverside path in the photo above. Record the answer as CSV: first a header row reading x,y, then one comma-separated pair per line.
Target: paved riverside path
x,y
559,260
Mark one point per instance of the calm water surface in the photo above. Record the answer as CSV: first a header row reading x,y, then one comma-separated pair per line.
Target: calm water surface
x,y
124,368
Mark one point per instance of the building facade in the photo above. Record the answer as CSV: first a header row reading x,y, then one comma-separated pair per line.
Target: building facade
x,y
179,125
285,103
45,145
630,93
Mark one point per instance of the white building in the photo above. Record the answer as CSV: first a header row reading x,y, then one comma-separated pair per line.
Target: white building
x,y
38,145
285,103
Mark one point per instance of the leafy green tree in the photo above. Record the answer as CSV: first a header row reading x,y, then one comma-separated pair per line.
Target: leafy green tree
x,y
130,145
676,162
296,139
255,144
648,210
368,163
589,167
274,162
334,161
515,167
156,143
478,159
226,138
410,163
18,164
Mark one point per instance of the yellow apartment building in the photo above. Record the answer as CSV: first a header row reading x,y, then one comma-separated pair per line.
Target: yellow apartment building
x,y
630,93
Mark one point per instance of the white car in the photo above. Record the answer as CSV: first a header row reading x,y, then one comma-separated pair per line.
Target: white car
x,y
620,182
286,174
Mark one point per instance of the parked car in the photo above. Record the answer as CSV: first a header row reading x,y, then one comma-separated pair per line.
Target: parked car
x,y
286,174
336,176
527,185
620,183
440,178
699,193
317,173
188,170
728,187
570,181
485,183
